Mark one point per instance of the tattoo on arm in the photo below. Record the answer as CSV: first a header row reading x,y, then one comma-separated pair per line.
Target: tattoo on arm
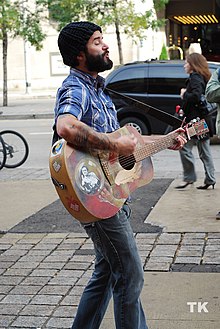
x,y
86,138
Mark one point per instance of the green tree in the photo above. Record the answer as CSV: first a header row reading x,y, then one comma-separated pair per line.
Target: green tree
x,y
18,19
118,13
163,54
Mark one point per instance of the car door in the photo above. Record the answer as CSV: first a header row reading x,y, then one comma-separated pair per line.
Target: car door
x,y
164,84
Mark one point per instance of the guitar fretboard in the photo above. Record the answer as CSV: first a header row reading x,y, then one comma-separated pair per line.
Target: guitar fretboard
x,y
154,147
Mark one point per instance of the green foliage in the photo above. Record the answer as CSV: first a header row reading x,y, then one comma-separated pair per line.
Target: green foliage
x,y
163,54
17,19
105,13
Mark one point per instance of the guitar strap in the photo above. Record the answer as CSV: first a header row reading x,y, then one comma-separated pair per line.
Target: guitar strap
x,y
152,111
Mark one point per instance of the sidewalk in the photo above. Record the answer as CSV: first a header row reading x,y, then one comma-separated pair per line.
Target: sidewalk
x,y
42,275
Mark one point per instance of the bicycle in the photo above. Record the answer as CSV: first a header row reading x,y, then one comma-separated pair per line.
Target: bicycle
x,y
3,153
14,149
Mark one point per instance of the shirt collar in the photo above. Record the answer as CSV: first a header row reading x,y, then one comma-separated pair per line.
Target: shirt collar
x,y
98,82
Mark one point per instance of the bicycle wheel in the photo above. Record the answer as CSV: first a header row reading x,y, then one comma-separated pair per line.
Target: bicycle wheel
x,y
2,153
17,149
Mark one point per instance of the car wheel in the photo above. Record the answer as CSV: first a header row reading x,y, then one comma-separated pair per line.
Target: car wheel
x,y
136,123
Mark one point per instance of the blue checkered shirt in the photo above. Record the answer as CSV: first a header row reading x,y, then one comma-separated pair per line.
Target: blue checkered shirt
x,y
83,96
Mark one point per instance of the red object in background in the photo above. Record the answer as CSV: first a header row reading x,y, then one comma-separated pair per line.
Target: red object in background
x,y
177,109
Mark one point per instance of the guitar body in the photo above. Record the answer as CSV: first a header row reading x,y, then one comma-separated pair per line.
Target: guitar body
x,y
95,187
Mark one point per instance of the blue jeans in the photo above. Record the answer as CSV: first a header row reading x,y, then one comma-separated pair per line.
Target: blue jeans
x,y
118,273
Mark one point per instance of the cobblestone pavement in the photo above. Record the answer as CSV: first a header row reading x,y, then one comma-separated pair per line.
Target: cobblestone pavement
x,y
43,275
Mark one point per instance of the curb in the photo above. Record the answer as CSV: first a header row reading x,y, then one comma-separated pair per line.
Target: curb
x,y
26,116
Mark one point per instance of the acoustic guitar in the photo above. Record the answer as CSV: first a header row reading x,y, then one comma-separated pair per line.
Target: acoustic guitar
x,y
95,186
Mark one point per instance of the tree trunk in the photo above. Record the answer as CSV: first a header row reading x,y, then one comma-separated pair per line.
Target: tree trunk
x,y
117,31
119,41
5,75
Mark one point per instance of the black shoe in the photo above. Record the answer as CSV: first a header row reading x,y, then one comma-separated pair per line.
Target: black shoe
x,y
184,185
206,186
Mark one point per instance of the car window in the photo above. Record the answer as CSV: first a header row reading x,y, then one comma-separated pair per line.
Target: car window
x,y
130,80
166,79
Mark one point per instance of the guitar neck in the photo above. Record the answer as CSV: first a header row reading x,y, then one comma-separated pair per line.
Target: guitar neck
x,y
150,149
158,145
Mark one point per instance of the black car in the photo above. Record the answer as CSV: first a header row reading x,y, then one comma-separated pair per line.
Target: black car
x,y
156,83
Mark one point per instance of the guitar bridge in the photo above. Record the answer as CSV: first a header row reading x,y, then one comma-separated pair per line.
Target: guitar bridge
x,y
106,171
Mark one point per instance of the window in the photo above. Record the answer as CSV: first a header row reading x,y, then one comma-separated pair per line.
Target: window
x,y
130,80
166,79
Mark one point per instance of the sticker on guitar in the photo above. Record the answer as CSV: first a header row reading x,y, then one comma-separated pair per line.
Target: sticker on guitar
x,y
100,184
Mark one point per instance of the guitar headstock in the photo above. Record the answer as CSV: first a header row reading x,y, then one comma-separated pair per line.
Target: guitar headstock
x,y
197,127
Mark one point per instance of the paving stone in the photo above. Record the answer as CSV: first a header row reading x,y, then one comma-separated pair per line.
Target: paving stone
x,y
188,253
56,259
162,250
9,280
16,299
43,310
4,265
26,258
191,247
29,321
76,266
65,311
60,323
12,309
18,271
4,289
213,260
82,258
46,246
71,300
4,246
36,280
164,267
30,265
193,241
190,260
63,281
195,235
5,320
77,290
44,272
16,252
39,252
71,246
25,290
161,259
46,299
169,238
11,258
55,290
213,241
53,265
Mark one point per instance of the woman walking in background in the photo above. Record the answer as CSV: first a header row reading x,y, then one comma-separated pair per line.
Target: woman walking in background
x,y
197,67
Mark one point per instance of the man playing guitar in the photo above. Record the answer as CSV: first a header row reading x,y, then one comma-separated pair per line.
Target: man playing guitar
x,y
86,118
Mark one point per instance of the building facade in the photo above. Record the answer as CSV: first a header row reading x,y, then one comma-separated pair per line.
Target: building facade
x,y
30,70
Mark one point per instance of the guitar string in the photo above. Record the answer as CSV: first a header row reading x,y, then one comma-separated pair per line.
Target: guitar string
x,y
144,151
147,150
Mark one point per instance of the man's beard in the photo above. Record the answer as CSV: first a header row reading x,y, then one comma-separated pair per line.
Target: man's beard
x,y
97,63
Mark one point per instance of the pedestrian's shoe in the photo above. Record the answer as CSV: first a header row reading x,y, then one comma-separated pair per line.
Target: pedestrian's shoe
x,y
184,185
218,215
206,186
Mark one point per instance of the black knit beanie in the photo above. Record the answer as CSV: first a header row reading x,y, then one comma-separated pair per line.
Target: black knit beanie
x,y
73,39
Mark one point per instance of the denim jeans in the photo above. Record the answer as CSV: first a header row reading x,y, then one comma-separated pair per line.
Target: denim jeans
x,y
188,161
118,273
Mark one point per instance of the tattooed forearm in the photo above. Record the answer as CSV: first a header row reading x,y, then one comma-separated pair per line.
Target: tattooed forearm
x,y
85,138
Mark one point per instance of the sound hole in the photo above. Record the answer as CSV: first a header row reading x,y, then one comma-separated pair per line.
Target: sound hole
x,y
127,162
